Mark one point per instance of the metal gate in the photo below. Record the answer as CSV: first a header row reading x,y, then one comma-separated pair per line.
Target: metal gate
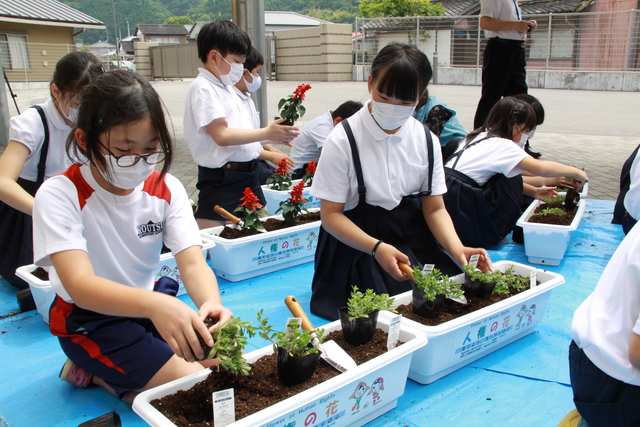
x,y
175,61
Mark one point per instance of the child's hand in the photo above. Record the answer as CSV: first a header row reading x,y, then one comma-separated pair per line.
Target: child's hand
x,y
559,181
579,182
178,325
543,193
216,311
277,158
484,261
280,133
388,257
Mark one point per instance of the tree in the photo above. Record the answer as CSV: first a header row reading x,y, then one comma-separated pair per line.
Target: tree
x,y
179,20
372,8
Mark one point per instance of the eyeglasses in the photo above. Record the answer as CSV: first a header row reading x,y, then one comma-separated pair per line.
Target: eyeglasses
x,y
129,160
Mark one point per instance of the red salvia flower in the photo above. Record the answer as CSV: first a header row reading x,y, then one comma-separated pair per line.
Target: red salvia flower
x,y
283,168
250,200
300,91
311,167
296,193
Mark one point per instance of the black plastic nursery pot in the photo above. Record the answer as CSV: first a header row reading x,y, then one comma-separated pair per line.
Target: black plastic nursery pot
x,y
424,307
478,288
296,370
359,330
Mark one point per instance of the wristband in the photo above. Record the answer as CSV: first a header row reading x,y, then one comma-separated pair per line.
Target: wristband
x,y
375,248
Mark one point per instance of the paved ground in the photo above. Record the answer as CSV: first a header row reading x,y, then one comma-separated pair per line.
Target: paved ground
x,y
593,130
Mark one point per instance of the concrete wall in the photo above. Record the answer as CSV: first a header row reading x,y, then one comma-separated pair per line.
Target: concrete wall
x,y
573,80
322,53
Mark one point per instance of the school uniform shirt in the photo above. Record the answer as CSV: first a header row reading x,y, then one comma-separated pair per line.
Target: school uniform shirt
x,y
307,146
249,107
632,198
504,10
489,157
603,323
207,100
27,129
393,166
122,235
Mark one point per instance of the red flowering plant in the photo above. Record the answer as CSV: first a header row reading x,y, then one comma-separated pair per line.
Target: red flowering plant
x,y
293,206
309,172
252,210
291,107
281,178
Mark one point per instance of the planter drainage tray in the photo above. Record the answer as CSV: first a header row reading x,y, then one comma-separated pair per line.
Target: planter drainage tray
x,y
458,342
329,403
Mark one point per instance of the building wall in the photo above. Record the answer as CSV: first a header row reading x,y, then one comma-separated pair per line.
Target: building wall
x,y
45,46
143,58
322,53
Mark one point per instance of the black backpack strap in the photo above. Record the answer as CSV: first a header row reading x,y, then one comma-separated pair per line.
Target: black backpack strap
x,y
362,189
469,144
42,163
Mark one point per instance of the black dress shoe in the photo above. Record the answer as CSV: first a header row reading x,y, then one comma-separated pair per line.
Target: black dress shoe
x,y
529,151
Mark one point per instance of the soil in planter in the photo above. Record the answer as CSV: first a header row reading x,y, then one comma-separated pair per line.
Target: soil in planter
x,y
270,224
554,219
41,274
260,389
452,310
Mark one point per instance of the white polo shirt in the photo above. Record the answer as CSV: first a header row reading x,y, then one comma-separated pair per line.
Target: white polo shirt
x,y
27,129
249,107
504,10
494,155
603,323
393,166
307,146
122,235
632,198
207,100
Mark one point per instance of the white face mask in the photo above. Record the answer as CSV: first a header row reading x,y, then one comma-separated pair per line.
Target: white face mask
x,y
234,75
391,116
130,177
73,112
255,85
531,133
523,140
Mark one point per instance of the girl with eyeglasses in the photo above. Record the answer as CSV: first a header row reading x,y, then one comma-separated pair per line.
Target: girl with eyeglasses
x,y
36,152
484,176
101,225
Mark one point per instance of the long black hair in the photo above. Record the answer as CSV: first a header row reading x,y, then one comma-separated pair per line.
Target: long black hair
x,y
401,71
118,98
507,113
76,70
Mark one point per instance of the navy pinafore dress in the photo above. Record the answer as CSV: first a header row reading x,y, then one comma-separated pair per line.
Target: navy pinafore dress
x,y
338,267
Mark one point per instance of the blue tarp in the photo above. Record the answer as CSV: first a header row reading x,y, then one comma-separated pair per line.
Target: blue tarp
x,y
525,383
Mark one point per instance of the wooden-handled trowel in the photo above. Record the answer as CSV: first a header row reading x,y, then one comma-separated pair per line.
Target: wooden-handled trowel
x,y
330,350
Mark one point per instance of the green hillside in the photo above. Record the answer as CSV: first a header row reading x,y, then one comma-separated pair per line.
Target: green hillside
x,y
157,11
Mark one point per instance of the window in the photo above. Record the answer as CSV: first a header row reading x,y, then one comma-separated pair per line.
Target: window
x,y
175,40
155,39
13,51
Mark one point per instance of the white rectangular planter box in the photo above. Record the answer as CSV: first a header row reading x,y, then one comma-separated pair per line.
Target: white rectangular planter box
x,y
460,341
328,403
42,291
547,243
274,197
168,267
246,257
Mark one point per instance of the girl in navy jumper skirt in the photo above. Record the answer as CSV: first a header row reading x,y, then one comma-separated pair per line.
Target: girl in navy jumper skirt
x,y
372,171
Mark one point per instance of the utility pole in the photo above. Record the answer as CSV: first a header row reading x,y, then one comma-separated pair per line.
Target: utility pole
x,y
115,29
249,15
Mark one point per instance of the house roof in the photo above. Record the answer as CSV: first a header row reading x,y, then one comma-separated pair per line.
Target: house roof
x,y
529,7
283,18
47,12
161,30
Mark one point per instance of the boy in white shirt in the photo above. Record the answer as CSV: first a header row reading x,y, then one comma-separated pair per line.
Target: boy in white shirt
x,y
219,135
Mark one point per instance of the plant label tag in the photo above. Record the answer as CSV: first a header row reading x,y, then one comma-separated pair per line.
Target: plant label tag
x,y
394,332
533,279
473,261
289,329
224,408
428,268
